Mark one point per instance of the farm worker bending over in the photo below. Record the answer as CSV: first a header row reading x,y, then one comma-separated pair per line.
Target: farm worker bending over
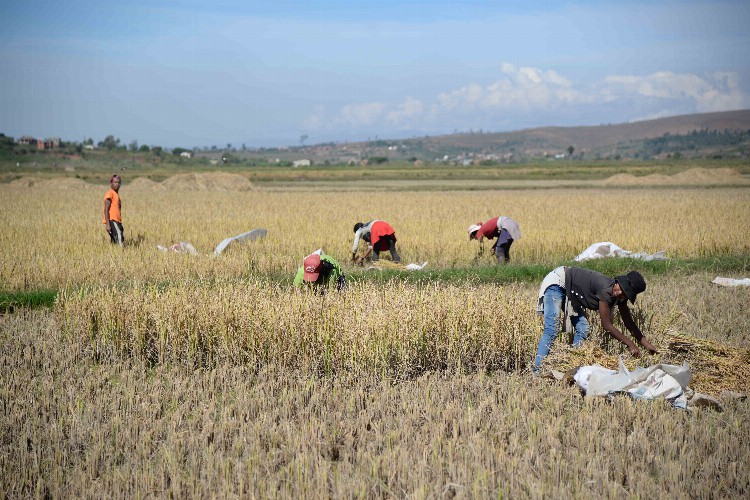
x,y
571,290
320,271
112,207
379,236
506,231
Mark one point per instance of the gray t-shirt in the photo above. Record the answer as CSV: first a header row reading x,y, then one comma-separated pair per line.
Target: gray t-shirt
x,y
585,288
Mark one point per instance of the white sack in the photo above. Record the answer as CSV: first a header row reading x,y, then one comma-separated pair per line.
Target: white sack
x,y
731,282
248,236
609,249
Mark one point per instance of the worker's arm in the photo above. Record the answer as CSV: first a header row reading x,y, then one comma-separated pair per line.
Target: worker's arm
x,y
107,204
298,278
355,246
627,318
605,313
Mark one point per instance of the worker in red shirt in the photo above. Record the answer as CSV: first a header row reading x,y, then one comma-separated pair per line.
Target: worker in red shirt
x,y
503,228
379,236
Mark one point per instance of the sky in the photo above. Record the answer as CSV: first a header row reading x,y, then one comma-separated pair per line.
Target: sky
x,y
288,72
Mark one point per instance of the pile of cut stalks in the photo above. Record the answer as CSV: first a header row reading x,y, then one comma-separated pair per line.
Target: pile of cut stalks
x,y
716,367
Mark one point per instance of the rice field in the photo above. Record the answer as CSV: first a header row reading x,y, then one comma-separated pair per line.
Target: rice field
x,y
174,375
54,237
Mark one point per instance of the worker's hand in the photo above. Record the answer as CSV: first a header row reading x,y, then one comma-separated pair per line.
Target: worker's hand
x,y
648,346
107,227
634,350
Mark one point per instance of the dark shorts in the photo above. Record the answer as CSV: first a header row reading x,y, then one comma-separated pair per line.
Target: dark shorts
x,y
384,243
116,232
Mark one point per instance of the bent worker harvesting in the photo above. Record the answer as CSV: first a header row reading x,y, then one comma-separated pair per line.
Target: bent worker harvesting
x,y
503,228
379,236
571,290
320,271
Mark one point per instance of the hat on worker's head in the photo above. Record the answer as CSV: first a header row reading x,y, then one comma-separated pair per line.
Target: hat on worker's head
x,y
632,284
473,229
312,267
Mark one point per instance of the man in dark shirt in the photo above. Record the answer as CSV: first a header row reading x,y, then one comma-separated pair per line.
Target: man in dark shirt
x,y
572,290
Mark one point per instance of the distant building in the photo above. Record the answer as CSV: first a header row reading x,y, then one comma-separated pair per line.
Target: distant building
x,y
51,143
186,154
301,163
27,140
89,147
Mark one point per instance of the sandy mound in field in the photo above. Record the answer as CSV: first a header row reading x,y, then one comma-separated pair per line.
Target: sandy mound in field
x,y
142,183
61,183
212,181
694,176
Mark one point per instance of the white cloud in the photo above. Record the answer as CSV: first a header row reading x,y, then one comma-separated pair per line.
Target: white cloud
x,y
523,88
405,111
534,96
361,114
716,92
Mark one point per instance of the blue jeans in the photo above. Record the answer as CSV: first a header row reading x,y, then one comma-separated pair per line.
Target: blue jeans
x,y
553,302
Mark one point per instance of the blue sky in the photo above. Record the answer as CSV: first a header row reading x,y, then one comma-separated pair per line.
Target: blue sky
x,y
265,73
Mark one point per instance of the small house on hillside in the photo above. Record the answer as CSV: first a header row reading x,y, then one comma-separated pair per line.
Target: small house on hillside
x,y
301,163
27,140
186,154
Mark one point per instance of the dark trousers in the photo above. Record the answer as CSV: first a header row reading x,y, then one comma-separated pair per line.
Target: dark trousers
x,y
386,242
116,232
502,247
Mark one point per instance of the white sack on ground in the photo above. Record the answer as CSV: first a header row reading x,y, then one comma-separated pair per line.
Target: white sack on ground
x,y
181,247
655,382
240,238
609,249
416,267
731,281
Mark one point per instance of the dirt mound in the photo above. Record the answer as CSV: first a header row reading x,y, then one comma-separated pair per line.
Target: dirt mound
x,y
142,183
693,176
709,176
212,181
63,183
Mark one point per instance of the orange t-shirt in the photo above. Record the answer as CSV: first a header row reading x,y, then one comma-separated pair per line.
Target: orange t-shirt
x,y
114,207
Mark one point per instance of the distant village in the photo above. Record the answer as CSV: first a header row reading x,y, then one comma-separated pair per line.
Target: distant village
x,y
40,144
708,136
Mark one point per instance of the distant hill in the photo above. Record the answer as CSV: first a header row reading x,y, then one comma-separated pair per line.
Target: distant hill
x,y
725,134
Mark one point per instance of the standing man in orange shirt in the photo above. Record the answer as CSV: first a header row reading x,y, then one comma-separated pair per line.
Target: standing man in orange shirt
x,y
112,207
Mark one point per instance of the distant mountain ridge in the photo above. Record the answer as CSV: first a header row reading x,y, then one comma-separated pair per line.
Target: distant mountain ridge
x,y
606,135
696,135
599,139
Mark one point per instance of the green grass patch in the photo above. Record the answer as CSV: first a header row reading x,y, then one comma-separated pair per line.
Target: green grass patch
x,y
9,301
536,272
738,265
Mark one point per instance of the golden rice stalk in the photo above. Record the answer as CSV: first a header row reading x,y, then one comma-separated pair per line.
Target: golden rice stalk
x,y
716,366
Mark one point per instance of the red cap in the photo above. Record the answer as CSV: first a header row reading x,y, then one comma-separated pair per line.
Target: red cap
x,y
312,267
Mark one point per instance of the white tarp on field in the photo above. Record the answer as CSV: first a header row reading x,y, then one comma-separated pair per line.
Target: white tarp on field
x,y
731,281
609,249
240,238
660,381
181,247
